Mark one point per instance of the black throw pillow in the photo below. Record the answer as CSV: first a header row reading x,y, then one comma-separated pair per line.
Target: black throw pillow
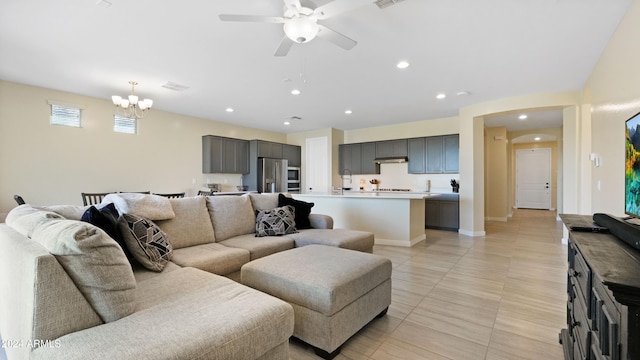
x,y
303,209
106,218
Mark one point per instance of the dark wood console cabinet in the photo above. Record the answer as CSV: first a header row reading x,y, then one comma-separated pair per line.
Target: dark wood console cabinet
x,y
603,302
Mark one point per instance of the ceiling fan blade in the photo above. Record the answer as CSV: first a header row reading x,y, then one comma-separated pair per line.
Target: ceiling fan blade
x,y
252,18
336,38
338,6
283,48
293,4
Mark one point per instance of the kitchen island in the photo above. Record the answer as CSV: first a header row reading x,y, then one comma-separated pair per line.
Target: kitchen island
x,y
395,218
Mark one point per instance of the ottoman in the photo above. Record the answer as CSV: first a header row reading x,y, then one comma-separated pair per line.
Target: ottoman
x,y
334,292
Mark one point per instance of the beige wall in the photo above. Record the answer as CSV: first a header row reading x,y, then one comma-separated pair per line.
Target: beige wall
x,y
613,92
435,127
496,189
49,164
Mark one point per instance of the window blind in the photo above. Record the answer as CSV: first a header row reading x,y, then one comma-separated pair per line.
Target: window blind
x,y
65,115
125,125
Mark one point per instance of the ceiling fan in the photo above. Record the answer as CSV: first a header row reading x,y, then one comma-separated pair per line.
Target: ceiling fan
x,y
302,21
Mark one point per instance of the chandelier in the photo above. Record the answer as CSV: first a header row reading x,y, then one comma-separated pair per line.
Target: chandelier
x,y
131,107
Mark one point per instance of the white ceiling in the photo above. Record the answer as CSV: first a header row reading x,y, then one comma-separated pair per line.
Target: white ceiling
x,y
536,119
490,48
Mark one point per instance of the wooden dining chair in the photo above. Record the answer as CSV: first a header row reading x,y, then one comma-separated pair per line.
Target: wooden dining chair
x,y
19,199
172,196
205,192
93,198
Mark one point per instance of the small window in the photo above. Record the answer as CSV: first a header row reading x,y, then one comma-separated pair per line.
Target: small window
x,y
125,125
65,114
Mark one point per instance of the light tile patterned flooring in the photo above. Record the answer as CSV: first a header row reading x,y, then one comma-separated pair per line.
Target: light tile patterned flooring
x,y
502,296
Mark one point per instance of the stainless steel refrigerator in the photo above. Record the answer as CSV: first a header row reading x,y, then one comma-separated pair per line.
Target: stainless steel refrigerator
x,y
272,175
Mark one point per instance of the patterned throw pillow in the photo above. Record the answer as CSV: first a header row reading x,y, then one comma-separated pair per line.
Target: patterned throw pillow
x,y
148,244
279,221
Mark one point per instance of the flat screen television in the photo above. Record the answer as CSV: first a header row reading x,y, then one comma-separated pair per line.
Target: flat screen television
x,y
632,167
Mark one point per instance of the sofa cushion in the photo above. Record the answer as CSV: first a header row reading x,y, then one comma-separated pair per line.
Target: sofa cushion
x,y
25,218
260,246
275,222
191,225
148,244
185,314
264,201
231,216
95,263
214,258
342,238
302,210
71,212
152,207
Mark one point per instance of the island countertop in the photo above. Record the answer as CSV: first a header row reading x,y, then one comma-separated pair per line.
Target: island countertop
x,y
371,195
395,218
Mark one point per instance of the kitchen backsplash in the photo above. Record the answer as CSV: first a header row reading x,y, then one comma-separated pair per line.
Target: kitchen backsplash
x,y
396,176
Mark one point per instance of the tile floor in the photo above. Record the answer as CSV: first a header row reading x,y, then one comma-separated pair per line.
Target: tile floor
x,y
501,296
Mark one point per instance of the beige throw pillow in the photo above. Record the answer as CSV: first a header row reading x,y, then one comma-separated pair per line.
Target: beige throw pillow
x,y
95,263
152,207
25,218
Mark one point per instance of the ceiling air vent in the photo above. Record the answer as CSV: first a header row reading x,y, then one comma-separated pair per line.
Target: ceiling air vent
x,y
386,3
173,86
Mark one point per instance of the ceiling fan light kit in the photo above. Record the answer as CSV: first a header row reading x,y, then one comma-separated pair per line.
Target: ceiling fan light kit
x,y
301,29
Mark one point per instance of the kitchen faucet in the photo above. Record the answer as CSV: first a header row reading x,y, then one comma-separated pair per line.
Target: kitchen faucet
x,y
342,176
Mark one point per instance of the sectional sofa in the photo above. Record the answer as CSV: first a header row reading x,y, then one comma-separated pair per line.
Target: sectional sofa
x,y
70,291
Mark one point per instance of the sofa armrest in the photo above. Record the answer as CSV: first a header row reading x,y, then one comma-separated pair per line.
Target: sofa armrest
x,y
321,221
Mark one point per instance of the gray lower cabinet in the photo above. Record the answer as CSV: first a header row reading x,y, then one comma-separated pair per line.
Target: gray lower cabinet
x,y
442,213
224,155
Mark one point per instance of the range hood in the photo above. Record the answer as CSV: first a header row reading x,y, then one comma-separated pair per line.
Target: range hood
x,y
391,160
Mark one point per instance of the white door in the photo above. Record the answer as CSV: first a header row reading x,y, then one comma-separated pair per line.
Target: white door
x,y
533,178
317,172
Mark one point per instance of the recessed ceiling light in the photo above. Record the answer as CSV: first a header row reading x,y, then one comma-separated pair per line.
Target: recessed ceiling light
x,y
348,112
402,64
441,96
295,92
537,138
229,110
523,117
287,123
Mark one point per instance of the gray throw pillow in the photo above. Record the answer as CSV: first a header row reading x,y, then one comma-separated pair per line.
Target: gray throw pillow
x,y
149,245
275,222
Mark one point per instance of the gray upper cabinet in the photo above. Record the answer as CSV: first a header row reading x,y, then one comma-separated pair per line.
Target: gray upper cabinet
x,y
212,148
270,149
451,153
358,158
417,155
350,158
368,155
236,156
224,155
434,154
390,148
293,153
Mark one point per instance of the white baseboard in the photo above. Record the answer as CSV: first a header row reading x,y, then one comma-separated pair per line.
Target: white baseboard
x,y
471,233
401,243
